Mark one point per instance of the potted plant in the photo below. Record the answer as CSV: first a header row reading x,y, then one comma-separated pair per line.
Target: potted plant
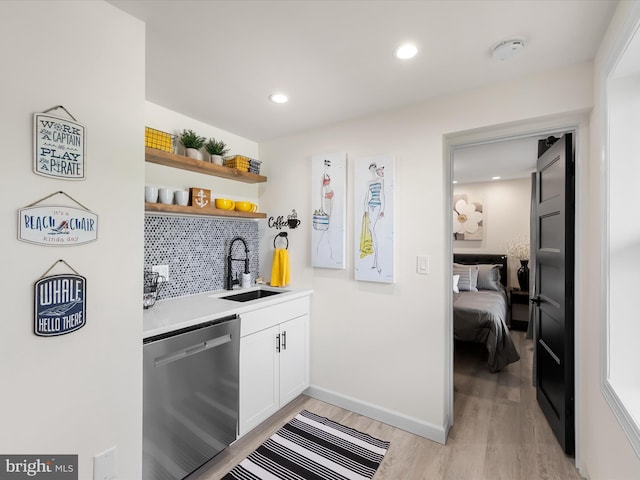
x,y
216,148
192,143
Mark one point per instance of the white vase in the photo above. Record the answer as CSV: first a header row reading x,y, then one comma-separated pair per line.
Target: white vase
x,y
216,159
194,153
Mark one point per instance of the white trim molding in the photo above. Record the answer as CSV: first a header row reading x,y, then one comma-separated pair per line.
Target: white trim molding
x,y
578,123
437,433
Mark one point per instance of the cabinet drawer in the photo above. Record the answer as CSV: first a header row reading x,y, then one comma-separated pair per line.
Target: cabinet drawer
x,y
267,317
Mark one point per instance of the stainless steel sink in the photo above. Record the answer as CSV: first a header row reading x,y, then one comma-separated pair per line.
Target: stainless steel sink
x,y
250,295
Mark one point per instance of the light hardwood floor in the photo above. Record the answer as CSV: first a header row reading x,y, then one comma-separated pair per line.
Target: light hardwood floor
x,y
499,430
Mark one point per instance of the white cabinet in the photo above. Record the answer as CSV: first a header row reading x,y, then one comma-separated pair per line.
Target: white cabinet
x,y
274,360
259,378
294,358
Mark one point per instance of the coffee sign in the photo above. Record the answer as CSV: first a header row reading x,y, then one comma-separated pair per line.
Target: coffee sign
x,y
57,225
59,147
60,305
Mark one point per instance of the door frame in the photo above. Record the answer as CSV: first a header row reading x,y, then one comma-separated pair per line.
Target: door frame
x,y
576,122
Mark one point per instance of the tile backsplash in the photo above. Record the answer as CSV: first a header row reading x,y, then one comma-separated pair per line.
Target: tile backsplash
x,y
195,248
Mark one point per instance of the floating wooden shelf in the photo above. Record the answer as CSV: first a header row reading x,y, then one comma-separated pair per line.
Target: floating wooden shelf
x,y
185,163
211,212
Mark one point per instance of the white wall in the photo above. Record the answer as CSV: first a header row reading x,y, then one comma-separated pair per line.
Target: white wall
x,y
80,393
161,118
607,453
384,346
378,345
505,206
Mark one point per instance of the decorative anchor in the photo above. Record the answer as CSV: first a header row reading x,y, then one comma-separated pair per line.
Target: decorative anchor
x,y
200,199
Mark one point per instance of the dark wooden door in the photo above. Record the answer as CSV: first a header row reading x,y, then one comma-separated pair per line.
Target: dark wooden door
x,y
553,304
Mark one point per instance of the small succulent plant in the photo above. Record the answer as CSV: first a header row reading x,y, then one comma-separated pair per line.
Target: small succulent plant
x,y
216,147
189,139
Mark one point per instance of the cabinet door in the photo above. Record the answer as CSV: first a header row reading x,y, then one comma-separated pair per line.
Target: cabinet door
x,y
259,378
294,358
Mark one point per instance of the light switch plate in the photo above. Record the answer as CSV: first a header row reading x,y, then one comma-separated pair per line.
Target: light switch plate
x,y
104,465
162,270
422,264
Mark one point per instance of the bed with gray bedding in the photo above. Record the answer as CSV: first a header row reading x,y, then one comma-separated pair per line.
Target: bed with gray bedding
x,y
481,316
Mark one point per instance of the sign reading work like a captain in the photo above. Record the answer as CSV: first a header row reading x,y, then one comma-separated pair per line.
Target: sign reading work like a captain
x,y
58,146
60,306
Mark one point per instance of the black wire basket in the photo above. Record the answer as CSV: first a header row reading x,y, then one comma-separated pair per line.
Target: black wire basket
x,y
153,283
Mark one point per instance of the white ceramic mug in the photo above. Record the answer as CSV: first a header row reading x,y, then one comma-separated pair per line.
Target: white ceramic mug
x,y
182,197
151,194
166,195
246,280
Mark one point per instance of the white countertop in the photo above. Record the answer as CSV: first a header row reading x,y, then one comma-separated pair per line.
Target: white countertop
x,y
181,312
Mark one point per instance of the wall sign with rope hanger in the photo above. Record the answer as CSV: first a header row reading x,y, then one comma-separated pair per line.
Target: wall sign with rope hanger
x,y
59,148
59,303
57,225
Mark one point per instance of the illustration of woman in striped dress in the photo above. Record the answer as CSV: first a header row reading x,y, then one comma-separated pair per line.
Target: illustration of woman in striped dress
x,y
374,210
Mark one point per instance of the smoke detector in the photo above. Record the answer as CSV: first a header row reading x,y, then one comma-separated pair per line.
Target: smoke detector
x,y
507,49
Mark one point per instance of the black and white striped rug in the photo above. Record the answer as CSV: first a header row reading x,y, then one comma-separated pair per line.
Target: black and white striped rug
x,y
311,447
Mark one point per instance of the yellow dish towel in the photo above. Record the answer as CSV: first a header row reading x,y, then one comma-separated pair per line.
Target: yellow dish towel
x,y
280,268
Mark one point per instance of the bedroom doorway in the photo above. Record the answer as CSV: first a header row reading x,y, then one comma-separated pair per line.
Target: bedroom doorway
x,y
485,244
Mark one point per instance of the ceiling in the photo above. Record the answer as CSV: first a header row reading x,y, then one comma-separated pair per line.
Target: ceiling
x,y
218,61
508,159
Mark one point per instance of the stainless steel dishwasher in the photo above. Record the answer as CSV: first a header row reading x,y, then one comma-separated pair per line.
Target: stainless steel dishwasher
x,y
190,397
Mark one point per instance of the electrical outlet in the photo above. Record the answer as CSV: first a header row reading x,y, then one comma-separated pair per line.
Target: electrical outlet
x,y
162,270
104,465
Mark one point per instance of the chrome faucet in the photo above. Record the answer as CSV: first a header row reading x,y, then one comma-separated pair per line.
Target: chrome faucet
x,y
230,281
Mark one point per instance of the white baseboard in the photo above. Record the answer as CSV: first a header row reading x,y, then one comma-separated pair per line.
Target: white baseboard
x,y
395,419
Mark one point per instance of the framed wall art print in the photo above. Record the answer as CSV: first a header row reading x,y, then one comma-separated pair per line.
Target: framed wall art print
x,y
374,214
329,203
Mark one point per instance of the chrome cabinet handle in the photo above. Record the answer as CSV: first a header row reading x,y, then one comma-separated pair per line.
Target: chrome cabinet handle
x,y
284,340
278,343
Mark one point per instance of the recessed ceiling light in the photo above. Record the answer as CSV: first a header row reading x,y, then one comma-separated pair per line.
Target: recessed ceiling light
x,y
455,181
278,98
495,178
507,49
406,51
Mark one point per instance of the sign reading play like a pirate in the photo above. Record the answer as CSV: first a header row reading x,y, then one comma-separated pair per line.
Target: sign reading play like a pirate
x,y
60,305
56,225
58,147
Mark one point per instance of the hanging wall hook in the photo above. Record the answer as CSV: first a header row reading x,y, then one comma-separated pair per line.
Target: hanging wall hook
x,y
283,235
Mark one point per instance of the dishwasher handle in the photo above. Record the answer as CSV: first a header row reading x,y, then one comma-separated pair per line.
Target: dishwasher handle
x,y
192,350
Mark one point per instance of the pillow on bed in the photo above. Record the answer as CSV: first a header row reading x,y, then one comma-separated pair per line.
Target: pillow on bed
x,y
468,277
489,277
456,278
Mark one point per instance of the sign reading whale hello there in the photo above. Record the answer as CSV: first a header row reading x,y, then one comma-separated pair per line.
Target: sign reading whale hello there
x,y
59,147
60,306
